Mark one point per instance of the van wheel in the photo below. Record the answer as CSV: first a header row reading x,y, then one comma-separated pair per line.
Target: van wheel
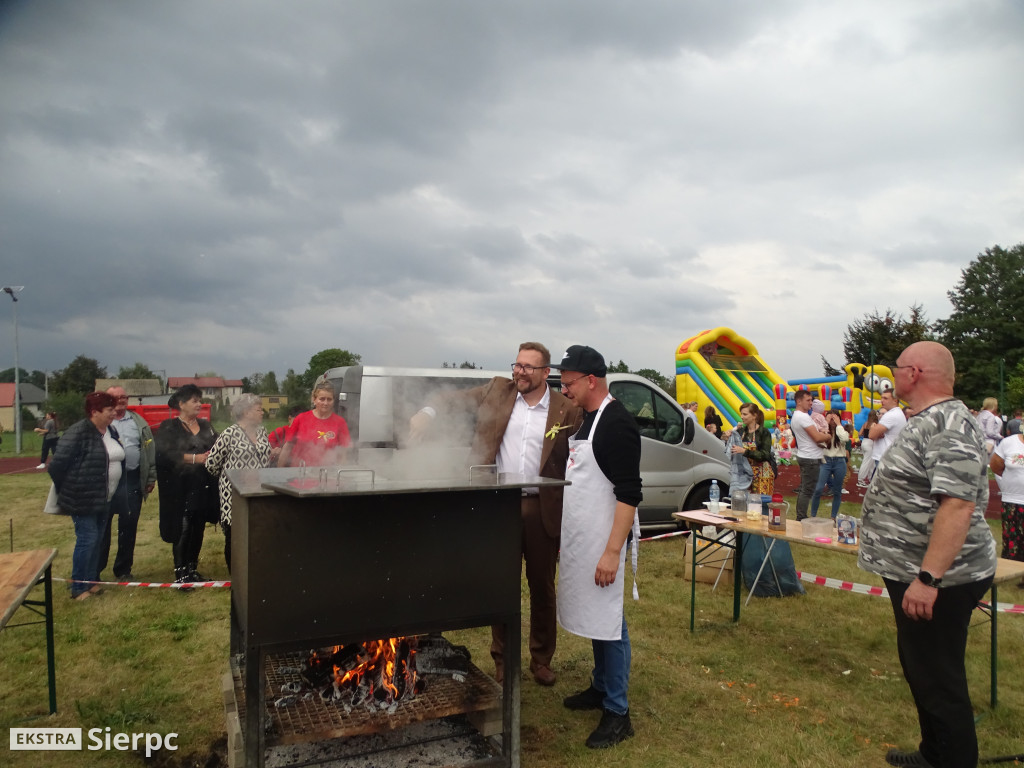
x,y
698,496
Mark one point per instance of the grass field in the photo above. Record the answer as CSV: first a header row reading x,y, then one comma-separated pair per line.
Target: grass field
x,y
800,681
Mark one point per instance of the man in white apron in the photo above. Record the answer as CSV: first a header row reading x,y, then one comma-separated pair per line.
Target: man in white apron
x,y
598,513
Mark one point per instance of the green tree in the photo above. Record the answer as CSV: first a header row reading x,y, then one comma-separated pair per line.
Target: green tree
x,y
654,376
7,375
36,377
252,382
293,388
323,361
80,376
619,367
986,324
136,371
887,334
69,407
829,369
269,384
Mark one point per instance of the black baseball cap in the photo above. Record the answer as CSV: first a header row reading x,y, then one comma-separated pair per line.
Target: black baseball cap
x,y
586,360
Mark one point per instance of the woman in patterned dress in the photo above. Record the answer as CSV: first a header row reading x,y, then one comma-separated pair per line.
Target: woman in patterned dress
x,y
243,445
751,443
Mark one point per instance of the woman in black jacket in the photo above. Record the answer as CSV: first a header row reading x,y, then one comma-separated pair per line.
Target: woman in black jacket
x,y
86,469
188,493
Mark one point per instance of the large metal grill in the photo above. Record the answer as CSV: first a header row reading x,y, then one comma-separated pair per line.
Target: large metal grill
x,y
351,557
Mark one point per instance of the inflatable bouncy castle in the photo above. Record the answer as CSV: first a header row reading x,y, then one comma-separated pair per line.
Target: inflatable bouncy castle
x,y
724,370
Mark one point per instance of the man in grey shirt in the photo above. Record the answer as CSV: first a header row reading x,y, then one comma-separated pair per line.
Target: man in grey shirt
x,y
924,533
137,483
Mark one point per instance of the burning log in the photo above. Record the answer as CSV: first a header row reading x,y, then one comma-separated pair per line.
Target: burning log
x,y
436,656
320,666
377,673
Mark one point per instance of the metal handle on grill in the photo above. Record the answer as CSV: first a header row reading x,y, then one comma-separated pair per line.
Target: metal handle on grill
x,y
373,476
492,467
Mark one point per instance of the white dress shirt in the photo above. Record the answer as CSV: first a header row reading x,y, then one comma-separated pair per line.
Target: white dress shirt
x,y
523,441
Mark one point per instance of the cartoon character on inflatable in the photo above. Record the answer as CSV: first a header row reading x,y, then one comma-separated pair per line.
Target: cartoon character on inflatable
x,y
868,386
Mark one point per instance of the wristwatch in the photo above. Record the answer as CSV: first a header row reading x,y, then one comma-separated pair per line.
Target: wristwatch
x,y
928,580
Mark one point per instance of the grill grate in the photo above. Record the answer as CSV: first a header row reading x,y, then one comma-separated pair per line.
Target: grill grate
x,y
312,719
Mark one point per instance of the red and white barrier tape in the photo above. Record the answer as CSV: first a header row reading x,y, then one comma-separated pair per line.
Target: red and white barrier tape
x,y
849,586
168,585
665,536
864,589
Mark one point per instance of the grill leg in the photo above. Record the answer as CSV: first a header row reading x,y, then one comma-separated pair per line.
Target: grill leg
x,y
510,692
255,658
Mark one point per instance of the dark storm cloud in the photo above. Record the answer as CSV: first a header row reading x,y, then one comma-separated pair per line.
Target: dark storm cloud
x,y
422,182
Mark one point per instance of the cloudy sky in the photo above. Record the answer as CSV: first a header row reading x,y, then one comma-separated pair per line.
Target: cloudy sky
x,y
234,186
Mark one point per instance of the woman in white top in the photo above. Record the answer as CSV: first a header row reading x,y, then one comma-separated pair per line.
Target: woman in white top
x,y
833,465
1008,464
867,450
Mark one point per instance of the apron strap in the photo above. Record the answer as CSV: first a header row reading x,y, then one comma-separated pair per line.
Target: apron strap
x,y
635,553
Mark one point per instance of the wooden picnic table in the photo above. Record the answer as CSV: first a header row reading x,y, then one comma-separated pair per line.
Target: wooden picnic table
x,y
20,573
1006,570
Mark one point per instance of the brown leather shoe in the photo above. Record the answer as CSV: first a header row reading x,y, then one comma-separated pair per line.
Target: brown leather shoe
x,y
542,674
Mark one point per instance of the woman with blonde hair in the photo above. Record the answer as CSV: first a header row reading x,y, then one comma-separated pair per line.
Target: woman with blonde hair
x,y
318,437
991,424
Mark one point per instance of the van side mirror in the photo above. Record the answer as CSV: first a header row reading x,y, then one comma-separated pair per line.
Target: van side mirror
x,y
688,429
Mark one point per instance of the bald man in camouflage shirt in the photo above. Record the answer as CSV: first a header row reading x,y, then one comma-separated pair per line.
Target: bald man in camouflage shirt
x,y
924,533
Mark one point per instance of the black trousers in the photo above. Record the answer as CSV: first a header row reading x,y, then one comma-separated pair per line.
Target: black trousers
x,y
809,471
932,656
49,446
126,506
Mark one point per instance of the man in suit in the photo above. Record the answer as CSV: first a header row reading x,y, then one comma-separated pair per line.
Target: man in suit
x,y
523,426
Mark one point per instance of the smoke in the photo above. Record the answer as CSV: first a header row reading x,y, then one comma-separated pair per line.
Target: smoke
x,y
380,404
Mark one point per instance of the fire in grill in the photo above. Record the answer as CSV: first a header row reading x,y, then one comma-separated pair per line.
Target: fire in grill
x,y
376,674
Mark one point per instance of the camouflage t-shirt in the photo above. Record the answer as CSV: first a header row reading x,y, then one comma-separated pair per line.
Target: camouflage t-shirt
x,y
939,453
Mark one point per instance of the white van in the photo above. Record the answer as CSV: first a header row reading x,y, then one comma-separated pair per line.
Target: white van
x,y
678,460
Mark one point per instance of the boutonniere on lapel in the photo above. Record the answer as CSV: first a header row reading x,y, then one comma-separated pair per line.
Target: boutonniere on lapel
x,y
552,433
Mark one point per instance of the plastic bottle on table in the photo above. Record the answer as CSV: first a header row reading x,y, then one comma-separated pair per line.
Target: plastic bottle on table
x,y
714,495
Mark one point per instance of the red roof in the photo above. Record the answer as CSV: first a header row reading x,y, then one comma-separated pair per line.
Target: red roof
x,y
7,395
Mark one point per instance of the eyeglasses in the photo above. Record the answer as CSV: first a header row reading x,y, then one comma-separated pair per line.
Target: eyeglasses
x,y
567,384
899,367
529,370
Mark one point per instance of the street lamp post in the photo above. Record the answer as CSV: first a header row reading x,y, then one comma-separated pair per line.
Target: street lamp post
x,y
11,290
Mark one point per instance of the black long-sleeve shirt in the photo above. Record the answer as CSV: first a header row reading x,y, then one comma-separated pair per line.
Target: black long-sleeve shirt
x,y
616,449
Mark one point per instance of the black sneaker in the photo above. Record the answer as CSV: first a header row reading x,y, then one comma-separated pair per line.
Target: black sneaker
x,y
610,731
588,699
902,759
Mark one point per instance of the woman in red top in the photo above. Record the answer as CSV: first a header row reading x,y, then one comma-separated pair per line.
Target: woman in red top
x,y
318,437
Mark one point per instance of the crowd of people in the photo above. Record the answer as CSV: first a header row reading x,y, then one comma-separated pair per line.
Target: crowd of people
x,y
107,464
923,528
